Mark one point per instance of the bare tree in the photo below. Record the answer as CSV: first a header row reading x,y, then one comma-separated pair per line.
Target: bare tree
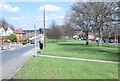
x,y
103,13
54,32
91,15
81,16
67,30
4,23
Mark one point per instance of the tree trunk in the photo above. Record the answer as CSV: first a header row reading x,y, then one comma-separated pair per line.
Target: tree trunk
x,y
100,41
87,39
115,40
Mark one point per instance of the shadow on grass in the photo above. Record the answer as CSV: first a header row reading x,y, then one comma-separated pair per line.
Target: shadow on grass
x,y
71,44
90,48
55,41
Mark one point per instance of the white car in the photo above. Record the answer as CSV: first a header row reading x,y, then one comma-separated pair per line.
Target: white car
x,y
3,47
75,37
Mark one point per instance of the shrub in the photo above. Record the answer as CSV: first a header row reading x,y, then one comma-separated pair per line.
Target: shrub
x,y
12,38
24,42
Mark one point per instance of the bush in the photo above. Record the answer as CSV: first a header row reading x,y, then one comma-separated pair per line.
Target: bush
x,y
12,38
24,42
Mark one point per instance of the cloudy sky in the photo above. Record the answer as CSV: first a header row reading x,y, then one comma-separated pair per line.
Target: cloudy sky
x,y
25,14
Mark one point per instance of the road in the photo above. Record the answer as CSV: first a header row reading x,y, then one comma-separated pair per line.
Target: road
x,y
12,60
11,54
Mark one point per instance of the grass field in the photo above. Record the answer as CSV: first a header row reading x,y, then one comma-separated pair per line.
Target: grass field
x,y
75,48
51,68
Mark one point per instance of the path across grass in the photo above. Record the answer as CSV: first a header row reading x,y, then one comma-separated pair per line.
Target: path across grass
x,y
80,59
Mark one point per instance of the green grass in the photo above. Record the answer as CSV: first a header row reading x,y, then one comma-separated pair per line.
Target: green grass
x,y
50,68
78,49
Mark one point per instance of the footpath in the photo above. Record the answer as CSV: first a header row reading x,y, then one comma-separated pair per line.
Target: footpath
x,y
81,59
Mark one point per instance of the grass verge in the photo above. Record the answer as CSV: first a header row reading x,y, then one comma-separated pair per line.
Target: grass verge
x,y
50,68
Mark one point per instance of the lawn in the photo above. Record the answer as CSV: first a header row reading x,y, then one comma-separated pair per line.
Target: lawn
x,y
53,68
50,68
75,48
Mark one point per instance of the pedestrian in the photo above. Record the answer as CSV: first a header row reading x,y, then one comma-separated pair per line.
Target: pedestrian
x,y
41,45
41,42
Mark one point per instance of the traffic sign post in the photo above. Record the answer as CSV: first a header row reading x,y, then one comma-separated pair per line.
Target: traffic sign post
x,y
35,53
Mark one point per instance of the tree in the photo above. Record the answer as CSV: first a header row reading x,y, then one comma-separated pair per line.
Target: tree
x,y
103,12
67,30
81,16
89,16
54,32
12,38
4,23
40,30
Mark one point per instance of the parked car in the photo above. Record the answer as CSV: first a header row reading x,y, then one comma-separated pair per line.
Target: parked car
x,y
109,41
32,42
3,47
75,37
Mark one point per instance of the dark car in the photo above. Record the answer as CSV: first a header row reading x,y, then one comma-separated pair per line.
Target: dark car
x,y
32,42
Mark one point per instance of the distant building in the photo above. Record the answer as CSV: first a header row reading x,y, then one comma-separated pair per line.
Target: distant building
x,y
2,32
91,36
5,31
19,33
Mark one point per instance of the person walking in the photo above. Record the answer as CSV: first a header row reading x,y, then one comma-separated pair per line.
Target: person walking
x,y
41,42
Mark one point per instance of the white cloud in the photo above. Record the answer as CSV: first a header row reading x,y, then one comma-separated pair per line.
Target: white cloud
x,y
50,8
14,18
9,8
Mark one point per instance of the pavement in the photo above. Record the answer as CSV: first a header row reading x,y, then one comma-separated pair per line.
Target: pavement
x,y
13,60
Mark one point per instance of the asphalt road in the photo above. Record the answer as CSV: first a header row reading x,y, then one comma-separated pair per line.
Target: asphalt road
x,y
12,60
11,54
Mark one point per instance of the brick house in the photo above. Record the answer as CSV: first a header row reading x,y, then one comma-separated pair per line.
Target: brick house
x,y
19,34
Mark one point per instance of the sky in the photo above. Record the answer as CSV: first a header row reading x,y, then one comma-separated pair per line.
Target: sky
x,y
25,14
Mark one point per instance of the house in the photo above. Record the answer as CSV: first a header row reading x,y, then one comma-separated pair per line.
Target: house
x,y
91,36
2,32
19,34
5,31
81,35
9,31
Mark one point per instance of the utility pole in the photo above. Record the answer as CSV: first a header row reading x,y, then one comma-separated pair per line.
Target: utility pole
x,y
44,28
35,54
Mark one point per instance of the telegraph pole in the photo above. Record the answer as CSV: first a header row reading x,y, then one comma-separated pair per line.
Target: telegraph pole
x,y
44,28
